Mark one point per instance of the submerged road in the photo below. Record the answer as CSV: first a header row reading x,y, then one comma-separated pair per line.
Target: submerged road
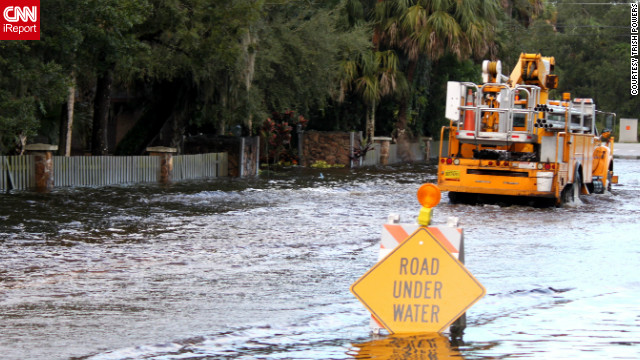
x,y
626,151
261,269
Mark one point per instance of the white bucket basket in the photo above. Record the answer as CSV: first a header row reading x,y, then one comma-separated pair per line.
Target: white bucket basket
x,y
545,180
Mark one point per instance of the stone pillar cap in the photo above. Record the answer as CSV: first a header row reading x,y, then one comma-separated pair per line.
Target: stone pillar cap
x,y
162,149
41,147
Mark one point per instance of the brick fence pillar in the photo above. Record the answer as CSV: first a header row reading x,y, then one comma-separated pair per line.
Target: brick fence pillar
x,y
385,143
43,157
166,161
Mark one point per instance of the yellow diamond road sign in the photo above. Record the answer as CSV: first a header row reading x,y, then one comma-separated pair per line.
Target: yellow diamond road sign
x,y
418,287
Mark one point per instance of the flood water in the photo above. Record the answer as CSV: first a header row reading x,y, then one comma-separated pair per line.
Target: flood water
x,y
261,269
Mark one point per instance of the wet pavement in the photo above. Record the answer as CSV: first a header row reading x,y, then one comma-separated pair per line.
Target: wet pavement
x,y
261,269
626,151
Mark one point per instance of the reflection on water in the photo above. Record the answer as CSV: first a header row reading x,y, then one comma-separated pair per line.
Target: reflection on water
x,y
402,347
261,268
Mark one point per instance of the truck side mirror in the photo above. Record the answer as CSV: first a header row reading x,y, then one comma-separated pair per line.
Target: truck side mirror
x,y
608,123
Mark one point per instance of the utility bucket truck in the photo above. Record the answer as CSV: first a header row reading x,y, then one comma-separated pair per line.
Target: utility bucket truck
x,y
505,137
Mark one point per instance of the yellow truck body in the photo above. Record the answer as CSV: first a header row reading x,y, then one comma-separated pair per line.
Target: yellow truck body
x,y
506,137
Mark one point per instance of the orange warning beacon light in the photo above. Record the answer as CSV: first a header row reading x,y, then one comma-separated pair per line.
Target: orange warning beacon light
x,y
429,197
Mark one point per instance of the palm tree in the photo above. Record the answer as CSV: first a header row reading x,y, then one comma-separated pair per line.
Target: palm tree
x,y
523,11
373,75
425,30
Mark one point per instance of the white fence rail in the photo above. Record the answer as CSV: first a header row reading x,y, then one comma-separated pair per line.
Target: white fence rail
x,y
18,172
104,170
201,166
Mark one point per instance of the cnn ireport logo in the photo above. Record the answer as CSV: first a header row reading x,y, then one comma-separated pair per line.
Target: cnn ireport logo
x,y
20,20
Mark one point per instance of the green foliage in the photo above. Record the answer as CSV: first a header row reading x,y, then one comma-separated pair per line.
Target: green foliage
x,y
299,54
208,66
424,32
321,164
432,98
591,47
28,86
90,35
433,28
196,38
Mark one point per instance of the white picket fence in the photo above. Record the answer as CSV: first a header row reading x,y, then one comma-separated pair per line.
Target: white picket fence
x,y
200,166
104,170
18,172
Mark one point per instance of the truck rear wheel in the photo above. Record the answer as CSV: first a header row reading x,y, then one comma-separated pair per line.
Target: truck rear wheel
x,y
571,192
454,197
566,196
463,198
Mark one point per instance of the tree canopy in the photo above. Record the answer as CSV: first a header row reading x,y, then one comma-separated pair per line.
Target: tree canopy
x,y
181,67
592,47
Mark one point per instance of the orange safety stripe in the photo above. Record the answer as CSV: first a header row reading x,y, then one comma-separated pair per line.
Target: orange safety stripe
x,y
399,235
397,232
442,239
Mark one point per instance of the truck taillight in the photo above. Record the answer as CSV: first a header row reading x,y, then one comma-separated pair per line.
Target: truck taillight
x,y
546,166
449,161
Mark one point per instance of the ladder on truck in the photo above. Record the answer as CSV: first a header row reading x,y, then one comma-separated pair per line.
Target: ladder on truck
x,y
473,116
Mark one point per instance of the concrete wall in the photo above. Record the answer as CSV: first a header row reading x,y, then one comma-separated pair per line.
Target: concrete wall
x,y
243,152
334,147
628,130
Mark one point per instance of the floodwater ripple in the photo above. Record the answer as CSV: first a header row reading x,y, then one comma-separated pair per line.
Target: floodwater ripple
x,y
260,269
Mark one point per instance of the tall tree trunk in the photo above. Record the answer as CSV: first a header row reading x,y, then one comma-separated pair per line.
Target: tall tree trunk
x,y
250,52
402,137
376,36
99,144
371,122
401,124
66,125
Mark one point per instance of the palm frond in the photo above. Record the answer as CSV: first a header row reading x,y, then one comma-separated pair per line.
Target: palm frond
x,y
368,86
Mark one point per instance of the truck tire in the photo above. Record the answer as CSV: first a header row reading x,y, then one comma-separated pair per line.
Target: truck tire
x,y
577,185
566,197
610,176
571,192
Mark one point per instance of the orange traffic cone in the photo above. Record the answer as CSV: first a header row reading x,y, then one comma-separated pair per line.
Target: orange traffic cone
x,y
469,115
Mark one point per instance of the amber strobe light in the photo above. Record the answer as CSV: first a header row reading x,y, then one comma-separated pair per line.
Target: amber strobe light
x,y
429,195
